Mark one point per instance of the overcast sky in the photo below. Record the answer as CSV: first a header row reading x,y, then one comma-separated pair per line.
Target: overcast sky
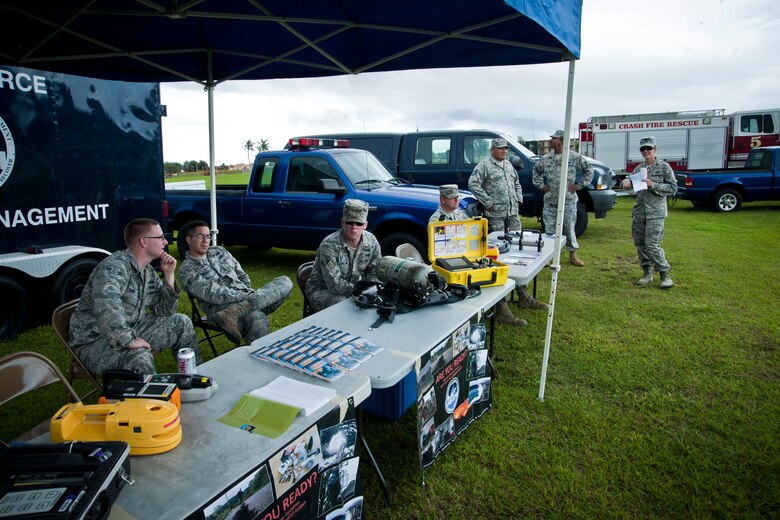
x,y
664,55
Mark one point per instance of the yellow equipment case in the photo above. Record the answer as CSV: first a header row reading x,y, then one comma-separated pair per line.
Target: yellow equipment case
x,y
457,250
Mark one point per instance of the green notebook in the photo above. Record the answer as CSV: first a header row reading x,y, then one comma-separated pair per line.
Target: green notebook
x,y
258,415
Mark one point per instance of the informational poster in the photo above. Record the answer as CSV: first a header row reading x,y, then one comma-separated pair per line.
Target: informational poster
x,y
453,388
314,476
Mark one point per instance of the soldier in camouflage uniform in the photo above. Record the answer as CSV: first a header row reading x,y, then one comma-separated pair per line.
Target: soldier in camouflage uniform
x,y
448,205
216,279
343,258
547,177
495,184
649,212
126,313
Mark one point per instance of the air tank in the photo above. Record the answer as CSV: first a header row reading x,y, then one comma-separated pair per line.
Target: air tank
x,y
406,275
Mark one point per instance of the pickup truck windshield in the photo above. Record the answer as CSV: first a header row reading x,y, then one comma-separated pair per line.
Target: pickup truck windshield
x,y
363,168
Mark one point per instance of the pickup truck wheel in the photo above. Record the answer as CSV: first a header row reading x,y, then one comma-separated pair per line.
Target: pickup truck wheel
x,y
14,307
582,220
393,240
726,200
70,281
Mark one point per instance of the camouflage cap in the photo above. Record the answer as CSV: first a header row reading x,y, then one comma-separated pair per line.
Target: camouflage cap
x,y
498,143
355,210
449,191
557,135
647,141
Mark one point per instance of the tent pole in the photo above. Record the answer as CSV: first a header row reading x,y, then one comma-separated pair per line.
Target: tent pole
x,y
213,174
556,267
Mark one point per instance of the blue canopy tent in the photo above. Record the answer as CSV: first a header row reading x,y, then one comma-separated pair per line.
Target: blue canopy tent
x,y
213,41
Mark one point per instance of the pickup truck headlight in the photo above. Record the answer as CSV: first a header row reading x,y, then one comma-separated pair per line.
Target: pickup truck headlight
x,y
604,181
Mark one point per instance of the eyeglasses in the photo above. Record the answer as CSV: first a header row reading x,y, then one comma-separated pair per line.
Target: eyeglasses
x,y
645,148
161,237
353,223
201,236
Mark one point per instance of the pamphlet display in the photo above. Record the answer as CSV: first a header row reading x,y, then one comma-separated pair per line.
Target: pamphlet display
x,y
314,476
321,352
453,388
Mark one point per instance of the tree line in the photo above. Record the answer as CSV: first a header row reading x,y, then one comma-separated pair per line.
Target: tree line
x,y
172,167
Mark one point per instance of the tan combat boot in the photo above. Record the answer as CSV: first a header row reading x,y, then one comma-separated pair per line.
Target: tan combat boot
x,y
504,315
647,278
526,301
575,260
666,280
227,320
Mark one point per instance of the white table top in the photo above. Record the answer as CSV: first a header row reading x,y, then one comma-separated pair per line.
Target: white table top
x,y
212,455
524,274
404,341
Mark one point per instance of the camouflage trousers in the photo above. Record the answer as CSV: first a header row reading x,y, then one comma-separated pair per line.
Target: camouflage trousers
x,y
263,302
510,223
647,234
323,299
161,332
550,215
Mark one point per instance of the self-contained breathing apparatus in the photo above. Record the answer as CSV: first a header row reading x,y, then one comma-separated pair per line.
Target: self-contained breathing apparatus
x,y
404,286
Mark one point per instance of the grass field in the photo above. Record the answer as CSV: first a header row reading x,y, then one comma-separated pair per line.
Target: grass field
x,y
658,404
222,178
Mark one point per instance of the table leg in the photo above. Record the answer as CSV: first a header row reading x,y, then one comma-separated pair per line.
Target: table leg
x,y
372,460
534,287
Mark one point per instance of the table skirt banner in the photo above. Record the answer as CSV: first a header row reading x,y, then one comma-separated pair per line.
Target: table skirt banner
x,y
314,476
453,388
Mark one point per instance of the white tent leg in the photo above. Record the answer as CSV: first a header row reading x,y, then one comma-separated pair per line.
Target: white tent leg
x,y
213,173
556,267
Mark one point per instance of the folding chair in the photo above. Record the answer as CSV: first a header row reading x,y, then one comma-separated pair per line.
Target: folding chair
x,y
22,372
408,252
302,275
60,322
210,329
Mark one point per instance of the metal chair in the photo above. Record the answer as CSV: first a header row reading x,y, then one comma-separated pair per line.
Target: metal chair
x,y
302,275
408,252
22,372
60,322
210,329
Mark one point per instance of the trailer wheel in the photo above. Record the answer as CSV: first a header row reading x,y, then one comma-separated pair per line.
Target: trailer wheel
x,y
71,279
393,240
14,307
726,200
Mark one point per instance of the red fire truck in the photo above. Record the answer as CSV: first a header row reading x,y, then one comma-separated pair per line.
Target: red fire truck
x,y
686,140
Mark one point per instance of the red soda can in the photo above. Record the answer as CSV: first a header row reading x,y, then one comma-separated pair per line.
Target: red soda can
x,y
186,360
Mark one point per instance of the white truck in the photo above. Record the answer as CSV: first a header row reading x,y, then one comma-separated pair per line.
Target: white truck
x,y
691,140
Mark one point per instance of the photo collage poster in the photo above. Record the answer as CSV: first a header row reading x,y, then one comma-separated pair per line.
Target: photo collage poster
x,y
453,388
314,476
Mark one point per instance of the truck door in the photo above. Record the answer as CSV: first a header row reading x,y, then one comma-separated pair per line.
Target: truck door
x,y
432,161
301,214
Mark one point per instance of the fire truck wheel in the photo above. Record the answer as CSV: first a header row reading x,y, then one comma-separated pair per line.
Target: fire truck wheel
x,y
14,307
70,281
727,200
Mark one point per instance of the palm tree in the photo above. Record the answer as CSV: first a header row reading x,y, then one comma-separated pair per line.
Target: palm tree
x,y
249,146
262,145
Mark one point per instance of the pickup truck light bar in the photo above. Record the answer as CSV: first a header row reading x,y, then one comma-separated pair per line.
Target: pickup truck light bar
x,y
303,143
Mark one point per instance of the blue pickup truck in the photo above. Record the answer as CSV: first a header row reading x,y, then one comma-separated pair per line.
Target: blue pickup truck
x,y
295,197
449,156
726,190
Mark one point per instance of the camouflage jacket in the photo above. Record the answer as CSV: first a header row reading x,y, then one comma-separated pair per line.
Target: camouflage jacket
x,y
652,201
216,280
337,269
495,183
458,214
116,298
548,172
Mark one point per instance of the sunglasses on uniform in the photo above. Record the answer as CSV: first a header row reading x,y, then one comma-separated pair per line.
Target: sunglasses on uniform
x,y
353,223
645,148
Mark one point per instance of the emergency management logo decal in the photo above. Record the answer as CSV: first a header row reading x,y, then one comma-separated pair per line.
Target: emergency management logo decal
x,y
7,152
